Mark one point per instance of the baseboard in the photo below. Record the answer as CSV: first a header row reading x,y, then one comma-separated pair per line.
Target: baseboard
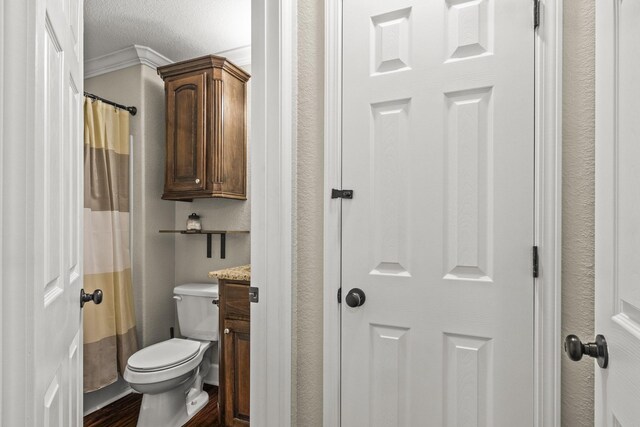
x,y
108,399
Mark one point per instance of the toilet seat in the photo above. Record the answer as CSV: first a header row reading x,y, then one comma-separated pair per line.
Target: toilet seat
x,y
145,367
164,355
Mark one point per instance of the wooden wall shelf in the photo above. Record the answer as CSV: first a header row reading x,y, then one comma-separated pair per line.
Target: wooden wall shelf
x,y
222,233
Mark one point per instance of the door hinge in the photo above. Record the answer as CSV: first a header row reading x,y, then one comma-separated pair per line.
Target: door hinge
x,y
341,194
536,14
254,294
339,295
536,264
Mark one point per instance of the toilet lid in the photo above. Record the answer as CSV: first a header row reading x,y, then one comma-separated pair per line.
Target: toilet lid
x,y
164,355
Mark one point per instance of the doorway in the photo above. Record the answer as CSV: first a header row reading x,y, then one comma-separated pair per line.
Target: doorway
x,y
29,378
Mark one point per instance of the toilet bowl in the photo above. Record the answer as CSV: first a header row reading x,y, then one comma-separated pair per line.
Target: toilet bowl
x,y
170,374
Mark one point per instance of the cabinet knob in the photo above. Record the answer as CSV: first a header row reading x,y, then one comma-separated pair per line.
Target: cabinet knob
x,y
226,331
197,180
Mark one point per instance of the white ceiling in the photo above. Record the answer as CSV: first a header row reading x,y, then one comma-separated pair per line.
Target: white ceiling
x,y
177,29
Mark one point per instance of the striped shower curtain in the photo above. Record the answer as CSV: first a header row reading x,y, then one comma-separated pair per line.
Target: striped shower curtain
x,y
109,328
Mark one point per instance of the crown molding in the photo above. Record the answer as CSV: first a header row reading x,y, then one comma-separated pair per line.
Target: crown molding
x,y
123,58
143,55
240,56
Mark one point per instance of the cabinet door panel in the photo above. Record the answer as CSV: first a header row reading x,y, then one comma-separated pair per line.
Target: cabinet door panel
x,y
186,158
237,374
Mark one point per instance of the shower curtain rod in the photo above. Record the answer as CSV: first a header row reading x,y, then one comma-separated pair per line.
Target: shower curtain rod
x,y
132,110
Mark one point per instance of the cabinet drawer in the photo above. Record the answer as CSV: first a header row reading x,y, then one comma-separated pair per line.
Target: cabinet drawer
x,y
236,301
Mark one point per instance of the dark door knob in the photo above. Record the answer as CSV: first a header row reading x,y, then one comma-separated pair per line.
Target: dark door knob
x,y
598,350
355,297
96,297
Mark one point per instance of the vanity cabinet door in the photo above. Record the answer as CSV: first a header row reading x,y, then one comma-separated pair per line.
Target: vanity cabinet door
x,y
236,372
235,345
186,156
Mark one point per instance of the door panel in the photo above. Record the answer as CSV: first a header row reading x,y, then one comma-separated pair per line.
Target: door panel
x,y
617,211
57,203
438,144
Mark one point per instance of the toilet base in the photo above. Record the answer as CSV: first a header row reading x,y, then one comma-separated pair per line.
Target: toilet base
x,y
197,403
172,408
163,409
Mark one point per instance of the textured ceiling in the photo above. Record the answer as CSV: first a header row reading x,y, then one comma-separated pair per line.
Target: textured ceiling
x,y
177,29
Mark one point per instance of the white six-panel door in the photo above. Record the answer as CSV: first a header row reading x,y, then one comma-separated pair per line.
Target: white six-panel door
x,y
618,211
57,203
438,147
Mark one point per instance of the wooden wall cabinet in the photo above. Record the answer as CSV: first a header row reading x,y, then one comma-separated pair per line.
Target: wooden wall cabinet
x,y
234,356
206,125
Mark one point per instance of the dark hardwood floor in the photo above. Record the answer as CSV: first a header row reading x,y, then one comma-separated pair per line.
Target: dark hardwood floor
x,y
124,412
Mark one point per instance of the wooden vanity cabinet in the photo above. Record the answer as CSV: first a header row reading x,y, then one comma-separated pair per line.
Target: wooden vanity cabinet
x,y
234,352
206,129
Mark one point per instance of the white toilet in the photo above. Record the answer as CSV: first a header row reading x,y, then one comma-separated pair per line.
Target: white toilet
x,y
170,374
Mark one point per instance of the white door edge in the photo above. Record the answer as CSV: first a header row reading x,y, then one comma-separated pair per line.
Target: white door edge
x,y
18,330
2,100
548,206
273,130
332,213
548,215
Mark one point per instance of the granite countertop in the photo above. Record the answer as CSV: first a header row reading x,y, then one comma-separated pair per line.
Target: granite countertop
x,y
242,272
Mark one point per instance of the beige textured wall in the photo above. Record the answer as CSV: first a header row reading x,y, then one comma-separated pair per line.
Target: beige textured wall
x,y
310,153
578,205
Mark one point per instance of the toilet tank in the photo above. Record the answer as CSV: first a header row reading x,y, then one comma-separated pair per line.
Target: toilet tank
x,y
197,314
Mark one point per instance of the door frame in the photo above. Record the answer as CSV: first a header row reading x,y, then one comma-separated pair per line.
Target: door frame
x,y
548,215
273,133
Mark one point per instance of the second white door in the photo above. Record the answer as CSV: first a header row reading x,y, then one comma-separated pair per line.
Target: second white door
x,y
438,147
617,238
